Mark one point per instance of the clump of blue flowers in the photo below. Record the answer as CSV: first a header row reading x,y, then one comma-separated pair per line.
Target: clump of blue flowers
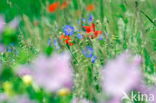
x,y
90,19
89,53
79,36
68,30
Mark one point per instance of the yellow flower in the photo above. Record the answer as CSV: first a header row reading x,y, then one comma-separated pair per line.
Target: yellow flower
x,y
27,79
63,92
8,88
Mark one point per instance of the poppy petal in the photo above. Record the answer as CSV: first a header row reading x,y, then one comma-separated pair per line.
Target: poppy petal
x,y
53,7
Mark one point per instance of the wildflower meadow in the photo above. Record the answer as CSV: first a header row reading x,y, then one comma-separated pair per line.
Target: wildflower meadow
x,y
77,51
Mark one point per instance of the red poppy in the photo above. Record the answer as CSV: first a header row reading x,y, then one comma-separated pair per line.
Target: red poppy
x,y
53,7
90,7
91,29
67,39
64,5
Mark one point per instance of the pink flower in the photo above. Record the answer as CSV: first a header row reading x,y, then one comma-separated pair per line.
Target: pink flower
x,y
2,48
79,100
149,91
24,70
115,100
14,23
15,99
21,99
53,73
2,24
121,74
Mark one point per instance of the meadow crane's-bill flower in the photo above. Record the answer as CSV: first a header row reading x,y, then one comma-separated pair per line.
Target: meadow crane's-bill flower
x,y
121,74
4,98
80,100
149,91
2,48
53,73
2,23
14,23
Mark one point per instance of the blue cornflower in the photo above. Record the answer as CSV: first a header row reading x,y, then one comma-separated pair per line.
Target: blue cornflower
x,y
90,19
56,44
93,59
68,30
88,52
79,36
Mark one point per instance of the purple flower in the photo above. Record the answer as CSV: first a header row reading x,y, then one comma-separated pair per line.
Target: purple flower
x,y
68,30
3,97
79,36
21,99
79,100
15,99
53,73
115,100
90,19
2,24
121,74
24,70
88,52
14,23
149,91
2,48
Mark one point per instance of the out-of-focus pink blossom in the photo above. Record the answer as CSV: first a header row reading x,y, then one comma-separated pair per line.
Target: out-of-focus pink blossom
x,y
80,100
15,99
2,23
3,97
2,48
14,23
24,70
53,73
115,100
149,91
22,99
121,74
